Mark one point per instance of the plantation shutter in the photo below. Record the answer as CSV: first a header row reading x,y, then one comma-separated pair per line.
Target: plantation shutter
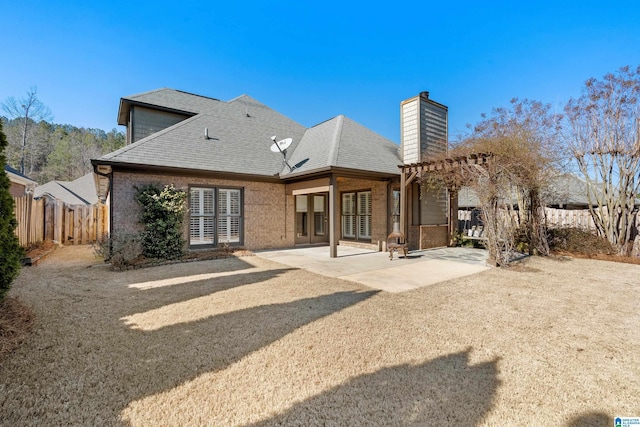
x,y
229,215
348,215
202,216
364,215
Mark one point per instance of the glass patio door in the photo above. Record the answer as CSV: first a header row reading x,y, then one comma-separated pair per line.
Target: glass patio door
x,y
320,219
311,219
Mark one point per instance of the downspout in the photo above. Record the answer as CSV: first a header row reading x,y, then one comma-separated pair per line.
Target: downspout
x,y
109,177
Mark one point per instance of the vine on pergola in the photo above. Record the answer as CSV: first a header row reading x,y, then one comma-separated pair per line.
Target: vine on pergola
x,y
525,155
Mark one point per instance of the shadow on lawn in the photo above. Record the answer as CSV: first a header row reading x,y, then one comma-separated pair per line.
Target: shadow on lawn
x,y
444,391
591,419
172,294
165,358
173,354
86,366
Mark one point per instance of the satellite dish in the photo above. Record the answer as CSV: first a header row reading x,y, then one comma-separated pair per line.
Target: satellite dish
x,y
280,146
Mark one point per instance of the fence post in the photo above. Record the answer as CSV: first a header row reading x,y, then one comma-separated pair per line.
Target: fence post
x,y
58,221
77,225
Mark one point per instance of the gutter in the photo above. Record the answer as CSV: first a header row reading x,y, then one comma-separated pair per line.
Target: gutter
x,y
107,175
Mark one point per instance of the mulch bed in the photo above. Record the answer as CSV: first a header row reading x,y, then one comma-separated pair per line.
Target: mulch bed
x,y
37,252
142,262
601,257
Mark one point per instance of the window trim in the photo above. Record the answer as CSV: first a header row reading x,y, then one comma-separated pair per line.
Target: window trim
x,y
356,216
213,216
216,239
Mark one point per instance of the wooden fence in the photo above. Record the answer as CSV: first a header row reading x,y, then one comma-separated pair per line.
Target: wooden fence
x,y
51,219
556,218
570,218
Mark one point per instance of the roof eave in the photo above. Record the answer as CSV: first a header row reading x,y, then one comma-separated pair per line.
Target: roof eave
x,y
21,180
343,172
170,170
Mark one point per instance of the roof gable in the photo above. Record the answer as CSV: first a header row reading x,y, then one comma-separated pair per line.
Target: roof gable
x,y
168,100
344,143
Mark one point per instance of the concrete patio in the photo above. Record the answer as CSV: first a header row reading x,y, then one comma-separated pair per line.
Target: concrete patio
x,y
375,270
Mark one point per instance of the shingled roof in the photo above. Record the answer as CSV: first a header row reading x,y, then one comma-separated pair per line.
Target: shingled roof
x,y
82,191
346,144
239,138
166,99
564,189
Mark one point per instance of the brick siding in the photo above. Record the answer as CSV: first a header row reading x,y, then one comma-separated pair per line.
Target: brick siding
x,y
380,217
268,213
428,236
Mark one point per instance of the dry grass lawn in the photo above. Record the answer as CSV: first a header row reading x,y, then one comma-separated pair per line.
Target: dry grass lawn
x,y
247,342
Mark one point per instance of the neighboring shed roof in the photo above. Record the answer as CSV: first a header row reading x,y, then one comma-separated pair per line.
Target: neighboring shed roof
x,y
82,191
240,132
566,190
16,176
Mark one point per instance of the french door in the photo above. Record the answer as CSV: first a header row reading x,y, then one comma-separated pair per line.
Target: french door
x,y
311,218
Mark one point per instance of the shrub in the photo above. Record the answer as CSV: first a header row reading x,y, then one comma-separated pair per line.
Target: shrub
x,y
579,241
162,215
460,239
120,248
10,251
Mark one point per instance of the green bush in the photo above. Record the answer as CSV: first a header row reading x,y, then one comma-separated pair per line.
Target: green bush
x,y
10,251
576,240
162,214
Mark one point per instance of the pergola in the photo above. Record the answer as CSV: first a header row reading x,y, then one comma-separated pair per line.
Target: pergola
x,y
412,171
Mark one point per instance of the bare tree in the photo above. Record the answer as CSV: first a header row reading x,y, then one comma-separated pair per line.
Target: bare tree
x,y
31,111
524,153
525,142
604,138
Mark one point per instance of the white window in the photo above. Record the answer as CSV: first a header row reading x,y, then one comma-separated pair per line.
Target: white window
x,y
202,211
215,216
349,215
356,215
364,215
228,216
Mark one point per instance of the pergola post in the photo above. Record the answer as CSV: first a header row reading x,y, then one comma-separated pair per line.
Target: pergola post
x,y
453,216
404,183
403,202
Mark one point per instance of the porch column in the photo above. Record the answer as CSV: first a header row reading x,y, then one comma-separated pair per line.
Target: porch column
x,y
333,217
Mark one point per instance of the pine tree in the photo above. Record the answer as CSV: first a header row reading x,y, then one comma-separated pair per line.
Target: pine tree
x,y
10,250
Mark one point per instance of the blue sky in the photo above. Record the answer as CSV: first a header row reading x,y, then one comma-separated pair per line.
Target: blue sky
x,y
313,60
